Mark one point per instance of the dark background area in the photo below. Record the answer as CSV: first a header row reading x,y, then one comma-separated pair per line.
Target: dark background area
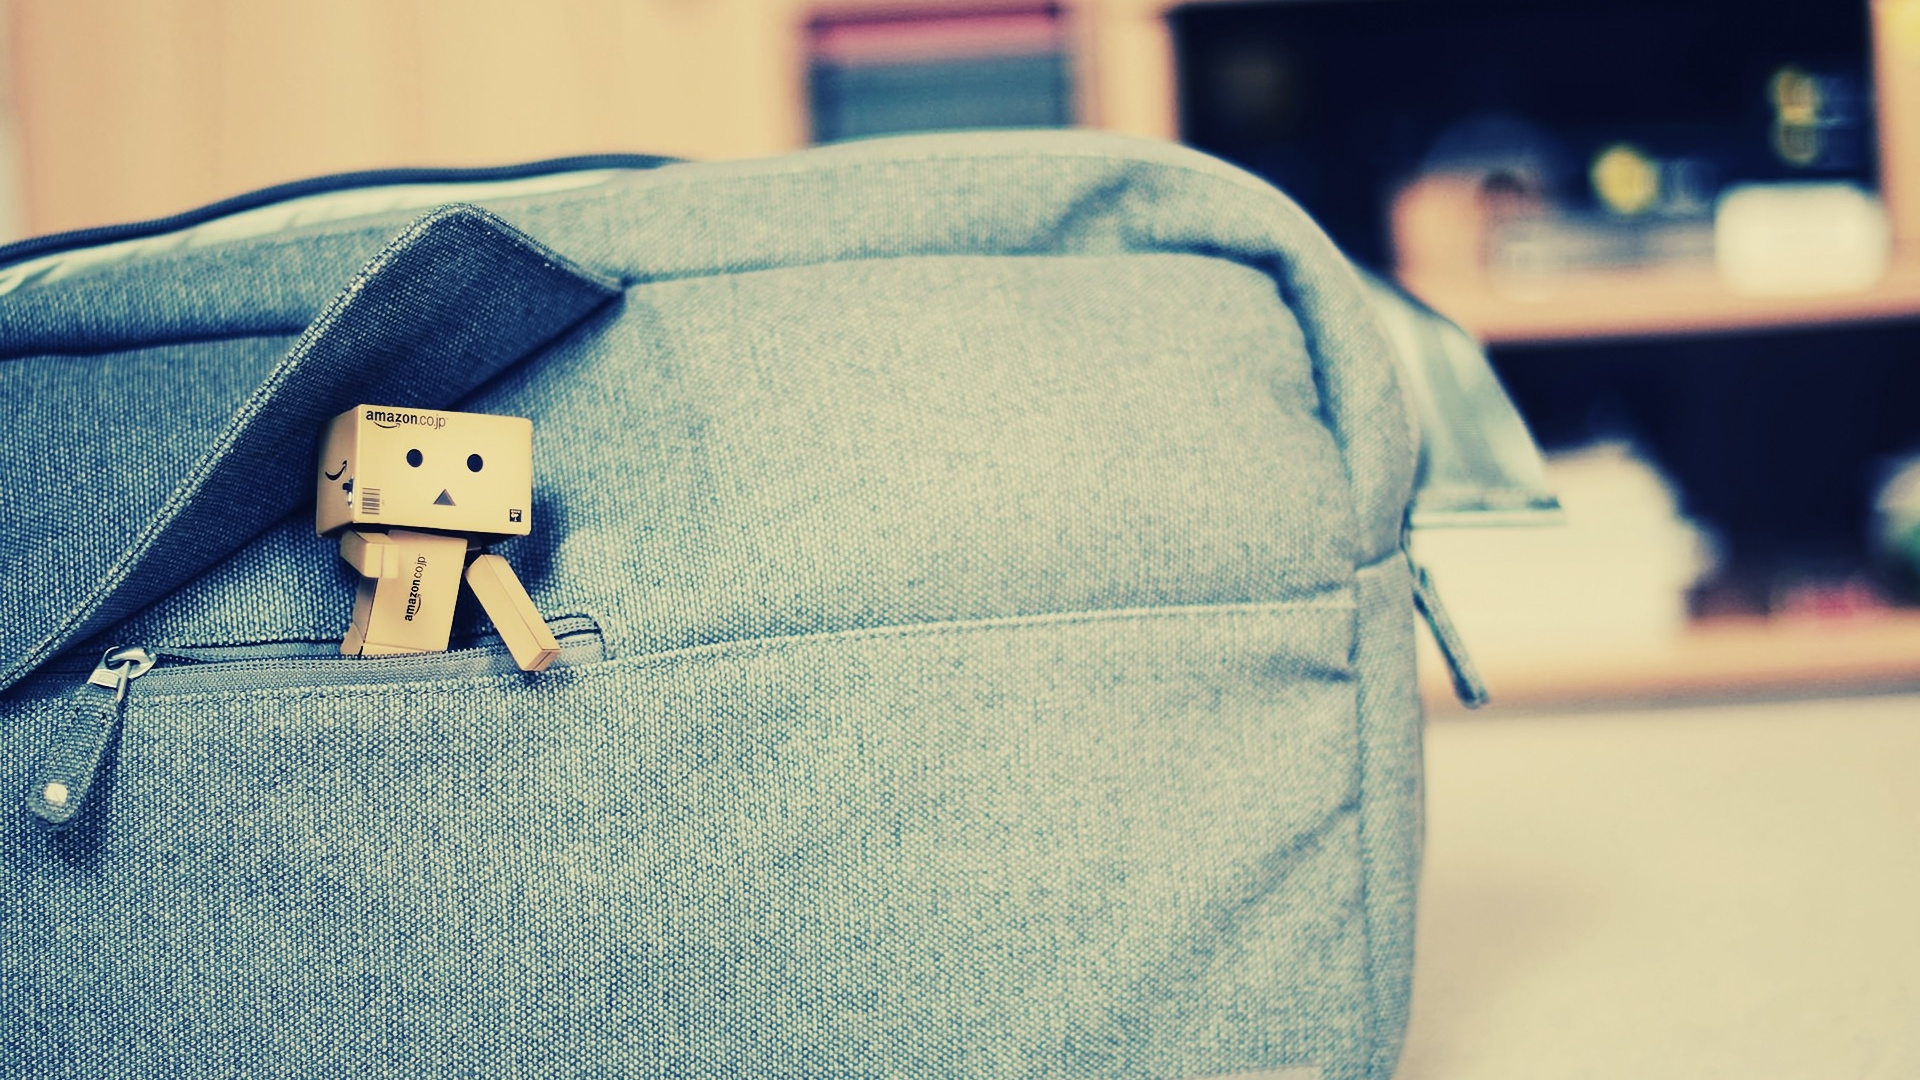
x,y
1339,102
1776,440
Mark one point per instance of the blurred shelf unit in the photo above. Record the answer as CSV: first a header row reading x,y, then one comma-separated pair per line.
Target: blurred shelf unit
x,y
1651,302
1690,212
1358,106
1713,658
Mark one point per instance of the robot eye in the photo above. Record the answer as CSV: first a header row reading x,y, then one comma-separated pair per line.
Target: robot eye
x,y
474,464
414,458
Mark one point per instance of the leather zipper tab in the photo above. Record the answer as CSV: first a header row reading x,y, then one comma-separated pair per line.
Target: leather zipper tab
x,y
67,772
1467,684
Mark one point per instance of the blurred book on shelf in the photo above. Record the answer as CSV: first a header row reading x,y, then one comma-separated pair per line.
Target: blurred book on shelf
x,y
898,70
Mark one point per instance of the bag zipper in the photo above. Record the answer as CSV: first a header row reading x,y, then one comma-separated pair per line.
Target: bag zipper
x,y
71,764
1467,684
86,735
54,243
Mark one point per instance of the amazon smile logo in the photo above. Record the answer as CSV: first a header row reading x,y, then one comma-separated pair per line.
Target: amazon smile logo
x,y
335,474
391,420
413,592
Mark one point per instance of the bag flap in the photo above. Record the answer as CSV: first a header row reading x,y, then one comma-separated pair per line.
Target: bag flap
x,y
453,300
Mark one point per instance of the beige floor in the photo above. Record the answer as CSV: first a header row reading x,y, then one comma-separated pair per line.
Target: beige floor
x,y
1725,891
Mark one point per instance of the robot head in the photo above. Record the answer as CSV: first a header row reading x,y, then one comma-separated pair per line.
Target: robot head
x,y
420,469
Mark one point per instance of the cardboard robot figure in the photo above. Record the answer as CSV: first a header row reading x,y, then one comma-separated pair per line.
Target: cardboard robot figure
x,y
413,495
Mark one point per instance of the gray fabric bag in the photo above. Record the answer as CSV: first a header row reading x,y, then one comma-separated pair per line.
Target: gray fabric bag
x,y
987,635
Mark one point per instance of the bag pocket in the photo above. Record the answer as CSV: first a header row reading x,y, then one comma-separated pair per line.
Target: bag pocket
x,y
203,465
1117,844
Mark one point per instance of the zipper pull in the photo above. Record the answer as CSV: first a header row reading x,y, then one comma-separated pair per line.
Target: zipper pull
x,y
1467,685
71,764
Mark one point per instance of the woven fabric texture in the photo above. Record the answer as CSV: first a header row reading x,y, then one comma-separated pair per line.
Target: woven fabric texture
x,y
989,643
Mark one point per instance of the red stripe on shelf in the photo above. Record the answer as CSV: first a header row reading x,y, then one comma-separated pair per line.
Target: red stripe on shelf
x,y
948,37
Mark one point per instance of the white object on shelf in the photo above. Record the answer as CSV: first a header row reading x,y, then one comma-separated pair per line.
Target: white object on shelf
x,y
1615,574
1800,239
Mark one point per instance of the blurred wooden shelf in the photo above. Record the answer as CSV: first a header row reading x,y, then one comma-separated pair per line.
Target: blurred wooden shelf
x,y
1652,302
1718,658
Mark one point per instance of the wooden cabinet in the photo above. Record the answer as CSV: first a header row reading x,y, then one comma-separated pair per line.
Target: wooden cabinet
x,y
131,111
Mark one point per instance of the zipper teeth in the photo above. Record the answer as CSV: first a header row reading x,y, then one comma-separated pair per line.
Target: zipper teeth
x,y
328,652
237,675
55,243
185,671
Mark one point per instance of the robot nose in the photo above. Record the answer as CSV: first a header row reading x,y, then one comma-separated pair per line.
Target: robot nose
x,y
445,499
